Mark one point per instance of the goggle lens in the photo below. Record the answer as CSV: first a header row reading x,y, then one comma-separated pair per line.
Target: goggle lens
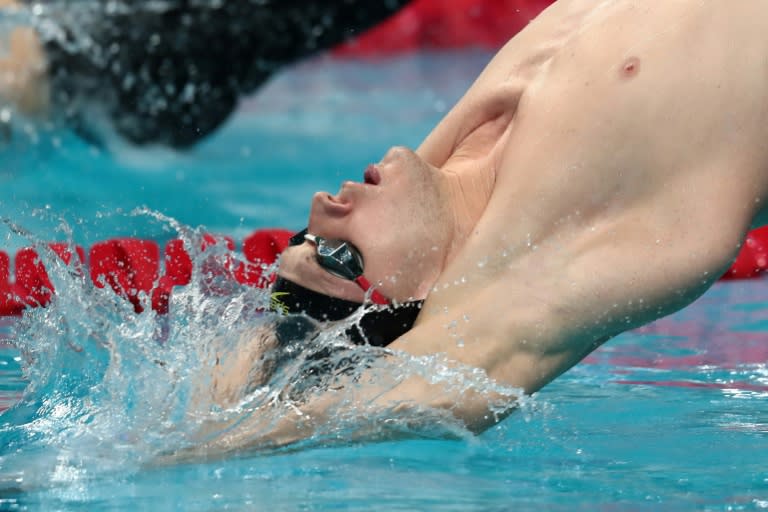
x,y
341,259
338,257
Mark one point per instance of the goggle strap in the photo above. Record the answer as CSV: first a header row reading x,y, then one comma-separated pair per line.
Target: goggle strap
x,y
376,296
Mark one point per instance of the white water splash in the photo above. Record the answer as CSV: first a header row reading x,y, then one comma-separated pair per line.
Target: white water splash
x,y
111,390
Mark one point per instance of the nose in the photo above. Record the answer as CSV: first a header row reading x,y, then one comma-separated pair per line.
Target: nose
x,y
397,153
325,205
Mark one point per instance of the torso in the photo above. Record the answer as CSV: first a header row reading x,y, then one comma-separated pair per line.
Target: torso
x,y
627,146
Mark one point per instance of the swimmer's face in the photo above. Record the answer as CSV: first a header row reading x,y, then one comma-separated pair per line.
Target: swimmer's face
x,y
396,216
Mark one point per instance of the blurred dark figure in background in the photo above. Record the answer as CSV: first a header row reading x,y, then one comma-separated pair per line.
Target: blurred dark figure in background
x,y
160,71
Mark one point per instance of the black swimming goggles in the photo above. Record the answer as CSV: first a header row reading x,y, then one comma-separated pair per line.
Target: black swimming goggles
x,y
342,259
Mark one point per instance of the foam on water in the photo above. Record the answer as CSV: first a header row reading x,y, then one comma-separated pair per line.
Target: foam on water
x,y
110,389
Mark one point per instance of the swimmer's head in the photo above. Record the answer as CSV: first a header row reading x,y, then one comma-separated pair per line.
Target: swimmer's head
x,y
394,229
397,216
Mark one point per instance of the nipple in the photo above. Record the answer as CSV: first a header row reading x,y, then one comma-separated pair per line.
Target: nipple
x,y
630,67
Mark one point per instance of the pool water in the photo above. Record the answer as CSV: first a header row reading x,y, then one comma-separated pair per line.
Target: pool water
x,y
673,416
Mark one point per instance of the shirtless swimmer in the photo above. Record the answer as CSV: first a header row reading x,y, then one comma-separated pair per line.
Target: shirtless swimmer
x,y
599,174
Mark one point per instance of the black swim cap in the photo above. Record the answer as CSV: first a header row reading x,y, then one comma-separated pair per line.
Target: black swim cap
x,y
379,326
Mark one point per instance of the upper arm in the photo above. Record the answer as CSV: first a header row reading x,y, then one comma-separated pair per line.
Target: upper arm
x,y
465,365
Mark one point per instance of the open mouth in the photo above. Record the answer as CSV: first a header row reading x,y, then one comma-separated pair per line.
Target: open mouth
x,y
371,176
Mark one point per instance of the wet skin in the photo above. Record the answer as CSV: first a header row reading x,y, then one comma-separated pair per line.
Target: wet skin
x,y
599,174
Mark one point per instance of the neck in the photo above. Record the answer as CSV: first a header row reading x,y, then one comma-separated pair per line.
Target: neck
x,y
468,195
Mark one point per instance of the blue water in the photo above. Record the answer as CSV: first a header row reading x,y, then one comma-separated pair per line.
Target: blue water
x,y
670,417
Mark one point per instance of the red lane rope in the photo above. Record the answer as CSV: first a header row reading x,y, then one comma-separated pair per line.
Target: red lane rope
x,y
752,259
131,267
442,24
